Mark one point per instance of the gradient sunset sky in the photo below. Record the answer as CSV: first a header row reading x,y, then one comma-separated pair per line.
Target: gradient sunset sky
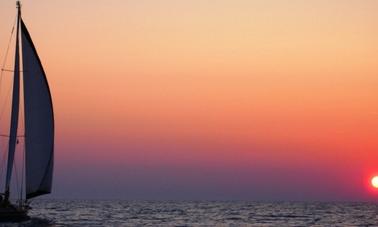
x,y
209,99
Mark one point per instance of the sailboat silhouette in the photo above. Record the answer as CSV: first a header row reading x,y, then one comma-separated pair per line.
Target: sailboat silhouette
x,y
39,127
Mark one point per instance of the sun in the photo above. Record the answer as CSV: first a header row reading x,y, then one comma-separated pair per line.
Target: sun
x,y
374,181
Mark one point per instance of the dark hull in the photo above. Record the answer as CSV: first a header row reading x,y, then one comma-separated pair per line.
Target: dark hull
x,y
13,214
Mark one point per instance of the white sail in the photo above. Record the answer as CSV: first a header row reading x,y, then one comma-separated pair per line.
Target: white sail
x,y
39,121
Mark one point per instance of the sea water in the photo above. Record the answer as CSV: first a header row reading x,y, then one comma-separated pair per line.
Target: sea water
x,y
197,213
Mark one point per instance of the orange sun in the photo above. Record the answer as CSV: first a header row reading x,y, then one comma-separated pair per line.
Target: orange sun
x,y
374,181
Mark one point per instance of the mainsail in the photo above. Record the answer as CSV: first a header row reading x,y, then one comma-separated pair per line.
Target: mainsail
x,y
39,121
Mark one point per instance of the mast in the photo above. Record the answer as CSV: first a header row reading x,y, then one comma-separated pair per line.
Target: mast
x,y
15,108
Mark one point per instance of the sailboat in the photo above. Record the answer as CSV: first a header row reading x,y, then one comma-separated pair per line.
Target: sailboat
x,y
38,127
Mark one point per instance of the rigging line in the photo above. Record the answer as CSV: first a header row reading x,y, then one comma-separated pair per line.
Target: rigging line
x,y
2,72
23,170
10,39
3,159
9,70
16,175
23,153
6,70
6,53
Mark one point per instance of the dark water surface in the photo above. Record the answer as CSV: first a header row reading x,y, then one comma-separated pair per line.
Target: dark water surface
x,y
124,213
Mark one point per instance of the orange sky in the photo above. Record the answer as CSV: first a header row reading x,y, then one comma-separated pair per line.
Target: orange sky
x,y
241,90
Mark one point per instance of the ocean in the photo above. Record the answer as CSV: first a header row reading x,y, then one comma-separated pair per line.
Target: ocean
x,y
152,213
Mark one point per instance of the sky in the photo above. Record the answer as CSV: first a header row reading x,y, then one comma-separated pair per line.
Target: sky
x,y
209,100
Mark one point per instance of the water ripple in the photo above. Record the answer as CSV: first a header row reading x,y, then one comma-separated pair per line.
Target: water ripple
x,y
56,213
